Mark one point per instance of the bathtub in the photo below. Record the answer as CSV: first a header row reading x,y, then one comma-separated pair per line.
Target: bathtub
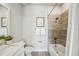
x,y
59,50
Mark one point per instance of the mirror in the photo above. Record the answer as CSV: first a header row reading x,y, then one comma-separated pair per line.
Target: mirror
x,y
3,20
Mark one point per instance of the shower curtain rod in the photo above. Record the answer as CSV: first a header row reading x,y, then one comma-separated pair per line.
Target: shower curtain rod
x,y
52,9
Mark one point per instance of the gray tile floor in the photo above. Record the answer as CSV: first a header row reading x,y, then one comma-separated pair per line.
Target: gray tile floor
x,y
40,53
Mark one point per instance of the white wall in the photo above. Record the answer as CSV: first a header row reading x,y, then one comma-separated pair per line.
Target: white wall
x,y
30,12
16,21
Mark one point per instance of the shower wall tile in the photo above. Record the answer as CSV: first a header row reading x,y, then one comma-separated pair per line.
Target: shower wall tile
x,y
58,30
61,36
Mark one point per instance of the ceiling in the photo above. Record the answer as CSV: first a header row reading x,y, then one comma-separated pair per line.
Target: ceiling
x,y
46,4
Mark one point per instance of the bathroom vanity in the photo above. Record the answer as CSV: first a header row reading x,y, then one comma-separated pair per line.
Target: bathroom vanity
x,y
15,49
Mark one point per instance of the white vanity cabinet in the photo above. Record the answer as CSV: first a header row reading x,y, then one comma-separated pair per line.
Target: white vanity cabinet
x,y
15,49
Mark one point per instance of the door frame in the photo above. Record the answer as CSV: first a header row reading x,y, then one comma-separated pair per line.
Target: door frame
x,y
72,33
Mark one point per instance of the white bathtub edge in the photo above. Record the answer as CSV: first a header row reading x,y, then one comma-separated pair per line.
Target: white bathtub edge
x,y
52,51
